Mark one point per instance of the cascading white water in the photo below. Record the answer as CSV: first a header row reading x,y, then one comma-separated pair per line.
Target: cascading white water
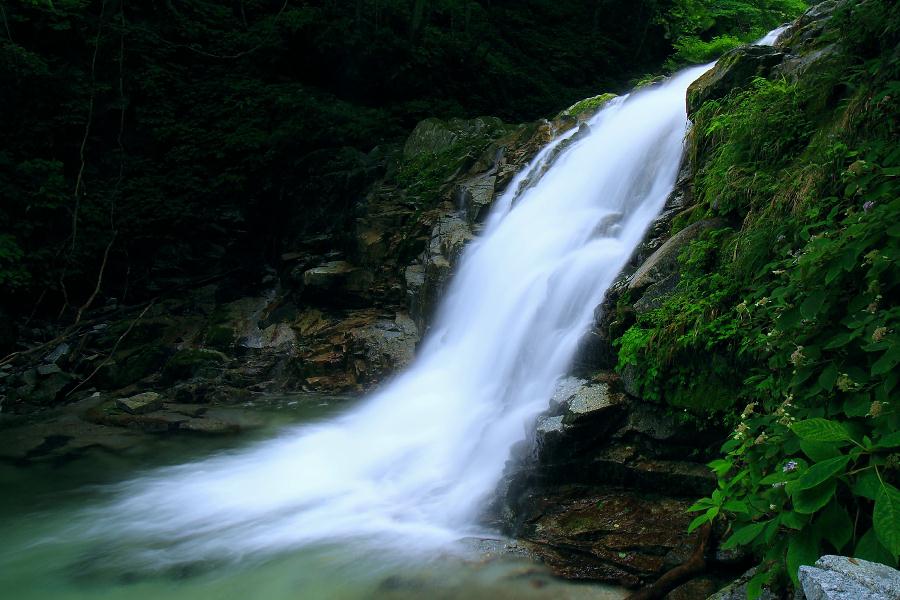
x,y
412,466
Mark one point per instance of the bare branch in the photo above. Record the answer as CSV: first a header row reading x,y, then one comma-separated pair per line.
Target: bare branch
x,y
96,291
113,351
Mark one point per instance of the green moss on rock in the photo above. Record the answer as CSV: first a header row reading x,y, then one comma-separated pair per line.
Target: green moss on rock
x,y
189,362
588,107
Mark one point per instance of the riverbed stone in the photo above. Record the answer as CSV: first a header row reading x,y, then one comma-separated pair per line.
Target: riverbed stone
x,y
845,578
140,403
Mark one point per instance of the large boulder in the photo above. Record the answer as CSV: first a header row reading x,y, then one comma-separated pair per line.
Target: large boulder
x,y
337,282
844,578
659,274
734,70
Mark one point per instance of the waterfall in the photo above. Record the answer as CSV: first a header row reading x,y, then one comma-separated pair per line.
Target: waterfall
x,y
412,465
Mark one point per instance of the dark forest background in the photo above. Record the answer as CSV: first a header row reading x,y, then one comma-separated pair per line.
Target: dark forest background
x,y
146,144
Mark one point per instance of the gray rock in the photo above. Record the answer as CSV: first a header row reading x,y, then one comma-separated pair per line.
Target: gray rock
x,y
737,589
475,196
664,262
209,426
549,425
326,275
386,345
734,70
42,385
140,403
57,353
45,370
844,578
577,399
434,136
794,67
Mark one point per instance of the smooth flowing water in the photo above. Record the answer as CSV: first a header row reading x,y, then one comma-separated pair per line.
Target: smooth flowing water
x,y
406,472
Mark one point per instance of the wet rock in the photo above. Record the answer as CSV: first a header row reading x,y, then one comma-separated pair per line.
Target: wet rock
x,y
734,70
737,589
338,282
46,370
808,29
700,587
60,351
209,426
140,403
843,578
448,239
435,136
329,275
794,67
611,536
386,346
581,401
276,335
43,385
191,362
663,263
475,196
587,108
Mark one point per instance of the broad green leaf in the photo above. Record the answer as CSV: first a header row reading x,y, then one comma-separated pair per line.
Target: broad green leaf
x,y
736,506
834,525
803,549
891,440
697,522
857,405
827,377
819,451
812,305
867,485
811,500
744,535
820,472
794,520
789,319
701,504
754,586
884,364
841,339
820,430
886,519
720,467
869,548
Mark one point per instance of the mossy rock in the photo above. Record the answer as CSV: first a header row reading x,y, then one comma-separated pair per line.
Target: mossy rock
x,y
146,331
587,108
190,362
220,336
135,366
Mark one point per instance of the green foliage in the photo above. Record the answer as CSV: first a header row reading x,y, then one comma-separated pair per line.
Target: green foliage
x,y
794,302
591,104
701,30
683,351
691,49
